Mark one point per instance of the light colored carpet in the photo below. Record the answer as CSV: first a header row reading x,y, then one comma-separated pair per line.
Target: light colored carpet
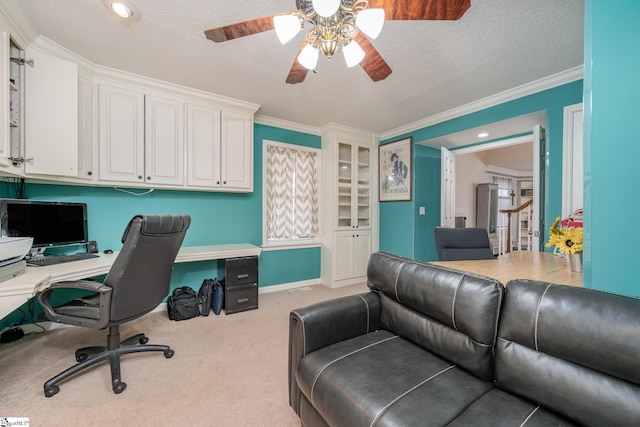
x,y
228,370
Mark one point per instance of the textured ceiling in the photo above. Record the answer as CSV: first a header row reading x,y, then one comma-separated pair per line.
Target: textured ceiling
x,y
437,65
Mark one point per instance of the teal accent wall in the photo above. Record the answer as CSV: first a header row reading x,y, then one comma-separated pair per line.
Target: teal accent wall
x,y
400,239
427,190
216,218
611,145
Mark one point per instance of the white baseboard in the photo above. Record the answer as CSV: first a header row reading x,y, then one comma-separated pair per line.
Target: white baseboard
x,y
290,285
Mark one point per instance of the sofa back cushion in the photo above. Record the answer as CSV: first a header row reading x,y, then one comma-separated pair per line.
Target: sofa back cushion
x,y
573,350
449,313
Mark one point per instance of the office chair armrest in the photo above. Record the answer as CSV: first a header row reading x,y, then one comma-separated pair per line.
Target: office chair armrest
x,y
44,291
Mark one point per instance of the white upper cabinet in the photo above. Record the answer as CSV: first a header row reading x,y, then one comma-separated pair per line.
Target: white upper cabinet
x,y
141,137
203,146
121,140
51,115
219,149
144,138
164,141
8,86
237,151
69,120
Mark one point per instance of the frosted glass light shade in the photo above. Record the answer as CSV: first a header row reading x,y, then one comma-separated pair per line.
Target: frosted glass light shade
x,y
308,58
326,7
370,21
353,54
286,26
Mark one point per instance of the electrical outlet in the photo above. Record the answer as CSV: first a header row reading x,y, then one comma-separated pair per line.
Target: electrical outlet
x,y
422,210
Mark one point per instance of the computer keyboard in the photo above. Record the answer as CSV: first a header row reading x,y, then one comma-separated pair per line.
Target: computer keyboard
x,y
59,259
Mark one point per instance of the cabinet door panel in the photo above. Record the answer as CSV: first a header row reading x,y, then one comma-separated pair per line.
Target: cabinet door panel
x,y
121,135
5,143
85,128
51,115
237,151
164,141
344,255
203,146
362,250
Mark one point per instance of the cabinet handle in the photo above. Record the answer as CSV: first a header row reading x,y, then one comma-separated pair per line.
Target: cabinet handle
x,y
139,176
89,173
217,182
148,178
242,276
224,182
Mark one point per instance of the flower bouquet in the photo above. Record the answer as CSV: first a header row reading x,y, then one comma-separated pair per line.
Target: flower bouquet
x,y
567,240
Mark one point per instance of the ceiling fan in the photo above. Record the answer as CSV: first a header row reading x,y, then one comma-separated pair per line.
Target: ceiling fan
x,y
341,25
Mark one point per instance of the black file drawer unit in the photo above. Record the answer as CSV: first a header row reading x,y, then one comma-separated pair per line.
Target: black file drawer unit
x,y
241,284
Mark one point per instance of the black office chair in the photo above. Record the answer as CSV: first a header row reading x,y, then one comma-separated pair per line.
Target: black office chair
x,y
453,244
137,283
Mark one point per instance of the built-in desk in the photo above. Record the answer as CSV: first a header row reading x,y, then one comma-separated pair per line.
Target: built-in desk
x,y
16,291
543,266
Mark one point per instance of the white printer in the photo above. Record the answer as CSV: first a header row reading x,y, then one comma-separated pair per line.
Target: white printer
x,y
12,253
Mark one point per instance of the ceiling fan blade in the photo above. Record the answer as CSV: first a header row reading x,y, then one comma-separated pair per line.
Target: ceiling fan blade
x,y
421,9
298,72
241,29
373,63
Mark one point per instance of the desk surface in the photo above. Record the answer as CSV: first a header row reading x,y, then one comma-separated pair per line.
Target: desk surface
x,y
16,291
542,266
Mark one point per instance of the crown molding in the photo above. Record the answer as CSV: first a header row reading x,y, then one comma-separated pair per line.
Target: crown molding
x,y
22,28
544,83
286,124
50,47
347,130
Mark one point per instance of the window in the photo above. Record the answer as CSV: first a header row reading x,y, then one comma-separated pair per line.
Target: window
x,y
290,195
505,188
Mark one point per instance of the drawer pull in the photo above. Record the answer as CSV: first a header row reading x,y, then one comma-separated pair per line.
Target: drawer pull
x,y
242,276
241,300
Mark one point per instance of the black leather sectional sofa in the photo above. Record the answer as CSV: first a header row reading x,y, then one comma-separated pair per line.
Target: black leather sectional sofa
x,y
431,346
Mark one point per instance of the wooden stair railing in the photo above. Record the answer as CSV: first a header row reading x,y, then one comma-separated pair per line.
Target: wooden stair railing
x,y
509,212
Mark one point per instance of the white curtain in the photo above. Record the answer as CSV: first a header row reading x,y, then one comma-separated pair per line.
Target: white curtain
x,y
292,194
505,187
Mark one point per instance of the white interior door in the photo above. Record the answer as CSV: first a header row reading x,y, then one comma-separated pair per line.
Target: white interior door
x,y
448,188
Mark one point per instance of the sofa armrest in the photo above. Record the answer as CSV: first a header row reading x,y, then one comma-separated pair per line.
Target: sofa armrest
x,y
325,323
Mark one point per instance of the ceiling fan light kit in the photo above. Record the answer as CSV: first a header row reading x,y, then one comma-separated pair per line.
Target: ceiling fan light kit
x,y
308,58
326,8
341,25
353,54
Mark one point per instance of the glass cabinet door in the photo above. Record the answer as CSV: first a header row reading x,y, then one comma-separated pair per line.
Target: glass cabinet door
x,y
344,186
354,186
364,187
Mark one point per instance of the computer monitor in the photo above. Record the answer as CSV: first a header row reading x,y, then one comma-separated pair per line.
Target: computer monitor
x,y
49,223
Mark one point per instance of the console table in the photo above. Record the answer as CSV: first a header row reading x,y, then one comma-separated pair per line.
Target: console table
x,y
16,291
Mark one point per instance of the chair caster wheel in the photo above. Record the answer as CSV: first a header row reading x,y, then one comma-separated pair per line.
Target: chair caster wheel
x,y
169,354
119,388
143,340
51,391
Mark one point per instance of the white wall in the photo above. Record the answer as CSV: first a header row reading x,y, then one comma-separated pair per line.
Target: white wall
x,y
470,171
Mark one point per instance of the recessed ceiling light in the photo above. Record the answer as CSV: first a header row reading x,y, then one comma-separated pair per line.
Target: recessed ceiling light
x,y
483,135
123,9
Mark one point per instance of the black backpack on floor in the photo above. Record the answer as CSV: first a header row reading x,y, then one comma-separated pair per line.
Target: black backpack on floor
x,y
205,295
183,304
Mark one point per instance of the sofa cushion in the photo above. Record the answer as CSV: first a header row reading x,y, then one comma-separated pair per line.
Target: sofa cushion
x,y
450,313
573,350
498,408
382,379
